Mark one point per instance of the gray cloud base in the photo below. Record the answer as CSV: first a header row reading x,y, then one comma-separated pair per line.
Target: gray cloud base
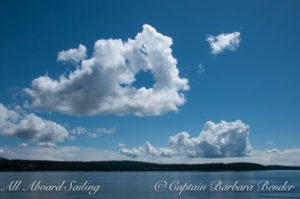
x,y
30,126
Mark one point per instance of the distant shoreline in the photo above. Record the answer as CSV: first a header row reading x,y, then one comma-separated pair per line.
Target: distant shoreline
x,y
44,165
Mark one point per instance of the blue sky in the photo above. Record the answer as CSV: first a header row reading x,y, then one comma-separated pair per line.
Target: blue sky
x,y
257,83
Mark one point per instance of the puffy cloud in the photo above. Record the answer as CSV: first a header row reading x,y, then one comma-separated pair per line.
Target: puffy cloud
x,y
133,153
224,139
30,127
7,116
73,55
103,84
223,41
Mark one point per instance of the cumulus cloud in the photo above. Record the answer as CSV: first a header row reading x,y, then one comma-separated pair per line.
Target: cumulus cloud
x,y
103,84
30,126
133,153
224,139
72,55
223,41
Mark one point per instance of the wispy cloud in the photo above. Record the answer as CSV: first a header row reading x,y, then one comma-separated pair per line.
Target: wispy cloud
x,y
64,153
92,132
121,145
22,145
274,150
201,69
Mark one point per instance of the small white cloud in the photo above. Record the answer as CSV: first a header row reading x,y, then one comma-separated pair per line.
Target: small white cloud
x,y
46,144
272,150
121,145
201,69
104,83
1,151
94,133
79,131
73,55
133,153
224,139
105,130
146,149
22,145
72,137
223,41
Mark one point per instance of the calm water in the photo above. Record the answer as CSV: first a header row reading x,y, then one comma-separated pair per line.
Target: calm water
x,y
141,185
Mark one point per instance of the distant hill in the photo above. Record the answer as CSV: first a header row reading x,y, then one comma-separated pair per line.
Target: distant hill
x,y
42,165
2,158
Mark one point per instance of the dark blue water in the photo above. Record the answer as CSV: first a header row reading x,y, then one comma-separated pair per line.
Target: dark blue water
x,y
141,185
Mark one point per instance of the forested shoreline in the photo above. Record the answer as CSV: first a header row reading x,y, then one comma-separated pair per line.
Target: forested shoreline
x,y
44,165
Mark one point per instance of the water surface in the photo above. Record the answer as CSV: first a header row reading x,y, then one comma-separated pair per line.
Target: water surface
x,y
141,185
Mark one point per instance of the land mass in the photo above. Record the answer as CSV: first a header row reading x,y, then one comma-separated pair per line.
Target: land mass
x,y
43,165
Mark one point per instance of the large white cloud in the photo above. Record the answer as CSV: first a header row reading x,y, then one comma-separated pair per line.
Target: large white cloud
x,y
223,41
102,84
224,139
30,126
